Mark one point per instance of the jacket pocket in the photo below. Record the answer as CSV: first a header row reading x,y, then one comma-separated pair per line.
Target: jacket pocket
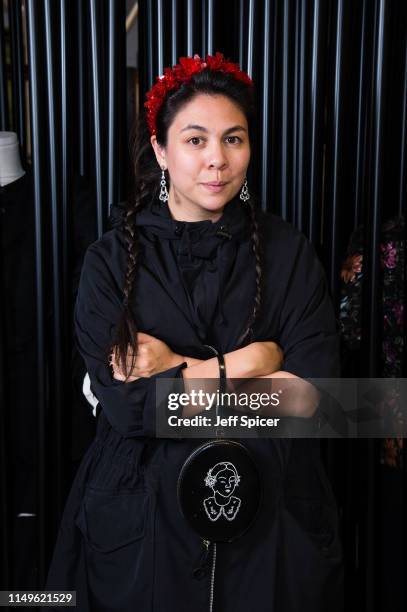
x,y
111,520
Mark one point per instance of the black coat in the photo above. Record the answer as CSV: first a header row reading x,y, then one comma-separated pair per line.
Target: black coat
x,y
123,544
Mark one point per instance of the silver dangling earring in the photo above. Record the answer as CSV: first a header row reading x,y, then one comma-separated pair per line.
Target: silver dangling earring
x,y
244,194
163,191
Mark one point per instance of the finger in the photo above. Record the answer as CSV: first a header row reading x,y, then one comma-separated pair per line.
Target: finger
x,y
115,365
117,375
122,378
136,368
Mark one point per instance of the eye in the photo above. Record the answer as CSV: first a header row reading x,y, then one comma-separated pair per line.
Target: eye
x,y
195,140
233,139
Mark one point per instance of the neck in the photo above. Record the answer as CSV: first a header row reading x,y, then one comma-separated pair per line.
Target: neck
x,y
187,211
10,163
220,499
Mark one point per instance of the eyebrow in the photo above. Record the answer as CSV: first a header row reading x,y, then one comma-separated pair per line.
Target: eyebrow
x,y
235,128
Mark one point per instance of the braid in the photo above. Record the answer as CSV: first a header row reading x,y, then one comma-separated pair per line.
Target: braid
x,y
126,333
146,179
256,246
130,236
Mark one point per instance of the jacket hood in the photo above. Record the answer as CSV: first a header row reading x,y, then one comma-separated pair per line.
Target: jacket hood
x,y
200,238
156,220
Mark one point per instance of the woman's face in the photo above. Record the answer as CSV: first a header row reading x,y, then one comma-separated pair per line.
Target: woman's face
x,y
207,155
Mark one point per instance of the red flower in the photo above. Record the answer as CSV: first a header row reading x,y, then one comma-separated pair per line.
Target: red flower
x,y
182,72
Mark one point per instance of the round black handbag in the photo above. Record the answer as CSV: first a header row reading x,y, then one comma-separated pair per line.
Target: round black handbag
x,y
219,490
219,486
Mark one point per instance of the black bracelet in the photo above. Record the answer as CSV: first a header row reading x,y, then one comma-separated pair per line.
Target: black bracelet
x,y
219,432
222,368
222,372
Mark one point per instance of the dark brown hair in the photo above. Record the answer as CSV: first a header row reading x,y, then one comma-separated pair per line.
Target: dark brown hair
x,y
146,181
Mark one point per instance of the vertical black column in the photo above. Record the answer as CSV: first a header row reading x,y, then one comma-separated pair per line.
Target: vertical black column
x,y
65,86
4,119
4,488
97,101
160,36
402,211
266,129
38,158
116,106
241,32
190,28
300,118
17,64
284,88
402,199
361,153
250,38
371,300
204,28
174,31
316,127
210,48
54,173
373,213
66,150
82,78
335,152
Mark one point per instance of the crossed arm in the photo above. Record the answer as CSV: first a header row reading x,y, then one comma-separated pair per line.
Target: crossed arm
x,y
261,360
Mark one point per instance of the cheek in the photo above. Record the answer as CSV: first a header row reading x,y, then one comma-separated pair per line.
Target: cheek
x,y
183,166
241,162
246,160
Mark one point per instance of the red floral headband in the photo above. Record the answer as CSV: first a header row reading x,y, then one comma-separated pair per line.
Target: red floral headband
x,y
182,72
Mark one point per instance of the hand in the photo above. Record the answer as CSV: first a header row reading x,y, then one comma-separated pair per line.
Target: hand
x,y
153,356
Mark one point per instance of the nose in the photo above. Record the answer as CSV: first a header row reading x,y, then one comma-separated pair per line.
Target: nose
x,y
217,156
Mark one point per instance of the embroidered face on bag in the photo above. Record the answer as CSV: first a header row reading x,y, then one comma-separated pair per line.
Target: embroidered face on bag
x,y
223,479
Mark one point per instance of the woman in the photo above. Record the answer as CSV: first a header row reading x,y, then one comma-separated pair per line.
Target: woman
x,y
196,264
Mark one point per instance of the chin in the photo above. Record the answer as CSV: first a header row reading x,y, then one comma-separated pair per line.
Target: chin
x,y
215,203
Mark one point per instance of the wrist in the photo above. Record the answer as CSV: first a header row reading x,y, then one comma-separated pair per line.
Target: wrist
x,y
242,363
190,361
177,360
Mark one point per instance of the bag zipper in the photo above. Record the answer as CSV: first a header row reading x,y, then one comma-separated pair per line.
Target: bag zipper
x,y
204,568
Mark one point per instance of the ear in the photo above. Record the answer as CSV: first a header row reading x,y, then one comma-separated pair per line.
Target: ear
x,y
159,152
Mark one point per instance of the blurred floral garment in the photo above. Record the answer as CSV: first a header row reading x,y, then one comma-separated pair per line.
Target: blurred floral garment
x,y
392,303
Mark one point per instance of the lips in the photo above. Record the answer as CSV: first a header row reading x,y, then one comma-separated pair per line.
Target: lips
x,y
215,186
